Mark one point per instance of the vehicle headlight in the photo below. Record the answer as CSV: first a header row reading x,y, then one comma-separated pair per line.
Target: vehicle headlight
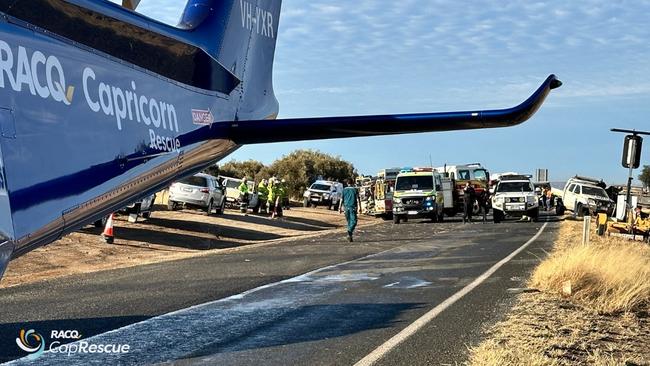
x,y
592,202
326,195
499,200
532,199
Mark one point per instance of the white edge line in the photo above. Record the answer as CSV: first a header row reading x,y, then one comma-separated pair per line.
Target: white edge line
x,y
400,337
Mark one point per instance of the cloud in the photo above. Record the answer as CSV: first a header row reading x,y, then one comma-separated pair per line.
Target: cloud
x,y
326,8
321,89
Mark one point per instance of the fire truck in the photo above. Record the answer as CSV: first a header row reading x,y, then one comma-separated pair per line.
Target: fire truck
x,y
474,174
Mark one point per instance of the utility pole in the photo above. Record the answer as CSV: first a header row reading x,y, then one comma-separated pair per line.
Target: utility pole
x,y
631,160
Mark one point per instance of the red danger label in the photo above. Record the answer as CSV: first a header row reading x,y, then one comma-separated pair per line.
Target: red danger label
x,y
202,117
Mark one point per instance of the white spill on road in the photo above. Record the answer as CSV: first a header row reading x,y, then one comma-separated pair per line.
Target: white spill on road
x,y
408,282
330,302
191,331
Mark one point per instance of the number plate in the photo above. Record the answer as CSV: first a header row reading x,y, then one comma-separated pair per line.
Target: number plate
x,y
412,212
517,207
185,189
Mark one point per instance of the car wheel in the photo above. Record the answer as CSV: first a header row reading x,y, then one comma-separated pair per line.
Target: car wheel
x,y
396,219
579,211
534,215
221,208
146,215
101,223
171,205
305,202
497,216
476,209
210,207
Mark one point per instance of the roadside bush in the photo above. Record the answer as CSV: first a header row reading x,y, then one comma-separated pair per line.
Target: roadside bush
x,y
302,167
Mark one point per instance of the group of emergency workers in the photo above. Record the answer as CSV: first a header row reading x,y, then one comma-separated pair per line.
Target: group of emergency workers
x,y
272,195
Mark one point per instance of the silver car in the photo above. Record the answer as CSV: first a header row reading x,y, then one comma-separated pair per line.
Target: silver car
x,y
201,191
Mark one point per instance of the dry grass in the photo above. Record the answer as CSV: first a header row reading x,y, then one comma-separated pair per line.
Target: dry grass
x,y
494,354
608,275
604,322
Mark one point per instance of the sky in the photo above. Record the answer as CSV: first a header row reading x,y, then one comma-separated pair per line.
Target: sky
x,y
341,57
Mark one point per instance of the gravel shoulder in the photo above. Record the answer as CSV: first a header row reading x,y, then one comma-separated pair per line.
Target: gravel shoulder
x,y
168,235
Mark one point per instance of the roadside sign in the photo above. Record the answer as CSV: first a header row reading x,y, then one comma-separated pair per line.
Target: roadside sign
x,y
632,151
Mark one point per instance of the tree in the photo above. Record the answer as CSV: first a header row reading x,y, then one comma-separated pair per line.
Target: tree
x,y
238,169
212,170
644,177
302,167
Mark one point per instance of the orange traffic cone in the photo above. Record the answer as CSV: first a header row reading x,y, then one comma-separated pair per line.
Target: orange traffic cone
x,y
108,230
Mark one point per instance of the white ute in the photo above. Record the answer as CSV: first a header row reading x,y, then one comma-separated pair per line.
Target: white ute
x,y
585,196
515,196
323,192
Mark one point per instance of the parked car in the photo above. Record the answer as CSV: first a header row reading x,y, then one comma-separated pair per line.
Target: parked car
x,y
585,196
515,196
201,191
323,193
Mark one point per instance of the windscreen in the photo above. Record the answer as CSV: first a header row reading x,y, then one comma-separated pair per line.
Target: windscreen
x,y
320,187
480,174
232,183
195,181
515,187
422,182
594,191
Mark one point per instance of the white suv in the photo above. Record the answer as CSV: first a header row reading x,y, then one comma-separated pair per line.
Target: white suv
x,y
585,196
323,192
515,196
200,190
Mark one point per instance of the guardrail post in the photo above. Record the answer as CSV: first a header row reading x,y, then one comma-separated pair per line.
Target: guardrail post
x,y
585,230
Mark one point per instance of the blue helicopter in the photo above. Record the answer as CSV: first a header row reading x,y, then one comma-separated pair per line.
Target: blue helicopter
x,y
101,106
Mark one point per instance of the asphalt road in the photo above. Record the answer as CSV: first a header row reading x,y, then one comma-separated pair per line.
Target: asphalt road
x,y
319,301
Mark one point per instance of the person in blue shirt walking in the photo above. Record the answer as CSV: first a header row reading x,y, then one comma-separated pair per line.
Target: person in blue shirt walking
x,y
351,203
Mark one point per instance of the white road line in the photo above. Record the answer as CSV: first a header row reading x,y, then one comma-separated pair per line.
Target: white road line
x,y
400,337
